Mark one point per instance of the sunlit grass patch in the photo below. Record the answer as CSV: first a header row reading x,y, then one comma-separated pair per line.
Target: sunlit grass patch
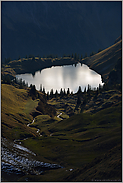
x,y
13,115
30,105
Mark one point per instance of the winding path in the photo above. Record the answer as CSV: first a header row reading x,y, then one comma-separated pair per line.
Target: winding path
x,y
38,130
59,116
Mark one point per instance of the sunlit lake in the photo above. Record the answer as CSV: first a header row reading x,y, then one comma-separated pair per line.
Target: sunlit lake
x,y
63,77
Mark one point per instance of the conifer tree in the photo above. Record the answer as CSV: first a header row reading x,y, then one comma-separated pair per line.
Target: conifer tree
x,y
89,88
40,88
68,91
56,94
85,90
43,90
51,93
61,93
64,92
79,90
47,95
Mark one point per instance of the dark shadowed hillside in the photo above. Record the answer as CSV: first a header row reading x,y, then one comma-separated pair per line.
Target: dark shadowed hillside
x,y
107,60
42,28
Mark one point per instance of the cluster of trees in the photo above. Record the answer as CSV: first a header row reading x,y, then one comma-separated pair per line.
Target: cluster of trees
x,y
22,84
88,91
19,82
75,56
6,79
51,94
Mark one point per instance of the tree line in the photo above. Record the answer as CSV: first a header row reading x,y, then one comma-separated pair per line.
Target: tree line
x,y
75,56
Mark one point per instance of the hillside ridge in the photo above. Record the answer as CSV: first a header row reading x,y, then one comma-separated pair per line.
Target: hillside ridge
x,y
103,62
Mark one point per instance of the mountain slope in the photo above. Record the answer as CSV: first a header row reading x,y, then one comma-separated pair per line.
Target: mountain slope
x,y
87,146
105,61
18,110
42,28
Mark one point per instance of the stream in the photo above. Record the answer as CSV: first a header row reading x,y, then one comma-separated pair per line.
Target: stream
x,y
38,130
58,116
18,160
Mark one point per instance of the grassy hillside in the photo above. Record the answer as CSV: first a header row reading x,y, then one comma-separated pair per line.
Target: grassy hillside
x,y
104,62
84,143
14,120
17,109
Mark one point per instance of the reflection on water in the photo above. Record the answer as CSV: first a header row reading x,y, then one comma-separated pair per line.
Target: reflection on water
x,y
64,77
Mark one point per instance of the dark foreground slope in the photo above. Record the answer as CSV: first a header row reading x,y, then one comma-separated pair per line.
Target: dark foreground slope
x,y
87,146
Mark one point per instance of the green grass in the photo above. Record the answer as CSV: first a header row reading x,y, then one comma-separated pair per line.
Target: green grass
x,y
79,139
15,116
74,142
30,106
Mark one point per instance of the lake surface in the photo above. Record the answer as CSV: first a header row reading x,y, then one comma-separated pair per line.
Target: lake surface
x,y
63,77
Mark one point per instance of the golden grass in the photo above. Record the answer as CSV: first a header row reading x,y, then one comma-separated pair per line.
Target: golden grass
x,y
105,61
13,109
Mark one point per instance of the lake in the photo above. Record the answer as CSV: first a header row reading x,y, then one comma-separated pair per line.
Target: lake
x,y
63,77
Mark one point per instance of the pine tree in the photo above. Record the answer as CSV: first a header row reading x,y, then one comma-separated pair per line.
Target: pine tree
x,y
64,92
89,88
61,93
43,90
85,90
68,91
51,93
79,90
56,94
48,96
30,85
40,88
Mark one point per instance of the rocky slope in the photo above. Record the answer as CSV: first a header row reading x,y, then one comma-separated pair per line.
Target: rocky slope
x,y
17,161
